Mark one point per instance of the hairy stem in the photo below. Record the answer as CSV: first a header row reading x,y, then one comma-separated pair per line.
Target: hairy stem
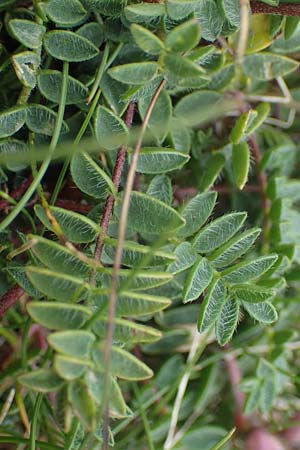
x,y
116,179
10,298
117,262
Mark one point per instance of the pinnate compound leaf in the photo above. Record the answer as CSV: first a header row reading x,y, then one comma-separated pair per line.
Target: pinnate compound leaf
x,y
55,284
241,163
50,81
42,120
263,312
77,343
197,280
107,124
196,212
184,37
134,73
42,380
83,404
211,306
89,177
150,215
27,32
235,248
75,227
58,316
133,303
249,270
146,40
142,279
218,232
123,364
227,321
67,13
69,46
126,331
155,160
11,120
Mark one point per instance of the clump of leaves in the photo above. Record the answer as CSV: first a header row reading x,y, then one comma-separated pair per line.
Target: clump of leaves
x,y
149,207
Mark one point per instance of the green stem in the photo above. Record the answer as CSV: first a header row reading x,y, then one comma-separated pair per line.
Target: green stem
x,y
76,142
30,191
20,440
143,417
34,422
11,200
99,75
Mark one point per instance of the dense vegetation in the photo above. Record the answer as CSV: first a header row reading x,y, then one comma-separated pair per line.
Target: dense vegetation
x,y
149,229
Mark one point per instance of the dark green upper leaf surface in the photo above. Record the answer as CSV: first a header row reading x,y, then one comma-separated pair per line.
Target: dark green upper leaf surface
x,y
69,46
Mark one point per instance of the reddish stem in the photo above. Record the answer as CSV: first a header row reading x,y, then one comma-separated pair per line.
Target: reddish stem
x,y
116,178
283,9
16,193
10,298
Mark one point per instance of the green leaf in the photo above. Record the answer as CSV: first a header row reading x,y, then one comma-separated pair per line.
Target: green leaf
x,y
178,9
117,405
136,255
144,12
211,306
55,284
212,171
126,331
106,7
11,120
26,65
218,232
185,258
83,404
184,37
134,73
77,343
268,393
58,316
160,116
241,163
253,399
232,11
196,212
235,248
58,257
241,125
211,19
19,275
123,364
42,380
178,67
249,270
89,177
150,215
133,303
42,120
262,312
146,40
69,46
70,368
154,160
75,227
251,293
262,110
107,124
136,280
69,13
50,81
227,322
11,146
93,32
197,280
29,33
160,187
267,66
